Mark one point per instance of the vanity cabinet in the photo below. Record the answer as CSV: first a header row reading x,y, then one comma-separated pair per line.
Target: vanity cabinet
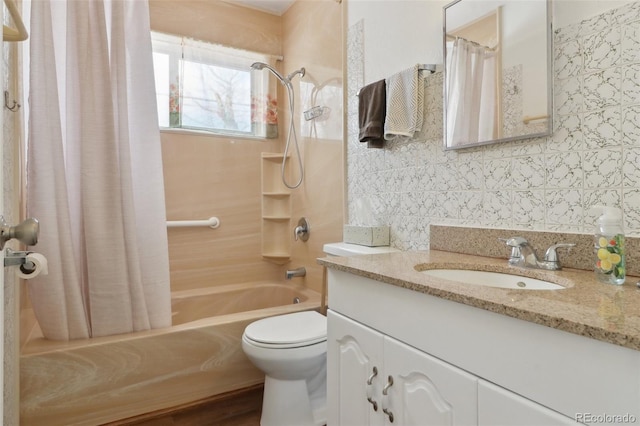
x,y
375,380
457,364
498,406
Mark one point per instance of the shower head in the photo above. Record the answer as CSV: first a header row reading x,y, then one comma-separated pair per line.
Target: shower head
x,y
262,65
284,80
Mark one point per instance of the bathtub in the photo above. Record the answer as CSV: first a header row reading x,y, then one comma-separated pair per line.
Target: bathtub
x,y
94,381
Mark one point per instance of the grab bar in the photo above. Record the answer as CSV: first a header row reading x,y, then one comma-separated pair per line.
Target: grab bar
x,y
527,119
213,222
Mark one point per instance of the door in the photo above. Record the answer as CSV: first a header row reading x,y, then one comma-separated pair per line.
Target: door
x,y
2,78
424,391
354,373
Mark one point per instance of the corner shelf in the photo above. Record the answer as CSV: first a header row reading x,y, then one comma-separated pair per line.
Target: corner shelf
x,y
276,211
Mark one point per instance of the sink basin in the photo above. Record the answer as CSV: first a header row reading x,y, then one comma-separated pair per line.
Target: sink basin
x,y
493,279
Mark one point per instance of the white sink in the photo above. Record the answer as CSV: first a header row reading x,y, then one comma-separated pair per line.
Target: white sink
x,y
492,279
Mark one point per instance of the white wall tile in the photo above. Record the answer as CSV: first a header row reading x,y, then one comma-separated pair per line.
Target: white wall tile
x,y
528,172
631,84
567,135
528,207
601,89
564,207
630,43
631,125
592,157
567,60
631,168
498,208
564,170
568,97
602,128
602,168
602,49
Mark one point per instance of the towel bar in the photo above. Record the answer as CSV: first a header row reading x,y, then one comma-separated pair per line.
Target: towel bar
x,y
421,67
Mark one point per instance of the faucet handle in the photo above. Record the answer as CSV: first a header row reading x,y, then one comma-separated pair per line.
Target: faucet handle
x,y
552,252
302,230
514,241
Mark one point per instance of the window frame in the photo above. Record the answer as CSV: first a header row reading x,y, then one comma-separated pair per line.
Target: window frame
x,y
261,89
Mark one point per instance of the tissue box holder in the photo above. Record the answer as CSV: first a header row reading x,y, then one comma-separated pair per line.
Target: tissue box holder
x,y
372,236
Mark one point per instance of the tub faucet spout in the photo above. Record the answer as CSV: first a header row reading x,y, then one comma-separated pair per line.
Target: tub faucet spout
x,y
298,272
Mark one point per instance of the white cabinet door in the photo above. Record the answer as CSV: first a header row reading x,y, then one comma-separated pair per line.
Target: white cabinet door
x,y
353,351
500,407
425,390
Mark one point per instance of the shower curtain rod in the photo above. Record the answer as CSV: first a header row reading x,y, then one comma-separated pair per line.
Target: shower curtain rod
x,y
14,34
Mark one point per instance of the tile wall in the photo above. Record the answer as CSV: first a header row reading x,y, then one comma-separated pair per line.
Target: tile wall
x,y
592,157
213,175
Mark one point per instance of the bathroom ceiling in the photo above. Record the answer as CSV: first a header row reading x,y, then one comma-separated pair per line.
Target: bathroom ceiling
x,y
276,7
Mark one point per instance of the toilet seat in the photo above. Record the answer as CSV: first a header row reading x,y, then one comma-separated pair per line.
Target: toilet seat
x,y
288,331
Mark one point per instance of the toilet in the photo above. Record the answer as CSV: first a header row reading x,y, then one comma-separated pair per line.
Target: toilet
x,y
291,350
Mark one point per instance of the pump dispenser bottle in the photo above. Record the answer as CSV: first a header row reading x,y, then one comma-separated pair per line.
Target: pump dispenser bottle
x,y
609,245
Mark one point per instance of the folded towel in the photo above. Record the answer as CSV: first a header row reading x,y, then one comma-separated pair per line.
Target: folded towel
x,y
405,104
371,112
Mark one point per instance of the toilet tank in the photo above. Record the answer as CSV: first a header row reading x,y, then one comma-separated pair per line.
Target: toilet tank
x,y
346,249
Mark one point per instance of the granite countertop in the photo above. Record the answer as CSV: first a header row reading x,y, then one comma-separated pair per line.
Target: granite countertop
x,y
586,306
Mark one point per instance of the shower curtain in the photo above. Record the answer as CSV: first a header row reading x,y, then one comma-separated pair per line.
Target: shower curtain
x,y
471,93
94,164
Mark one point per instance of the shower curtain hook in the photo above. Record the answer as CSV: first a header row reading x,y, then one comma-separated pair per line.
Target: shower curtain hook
x,y
15,105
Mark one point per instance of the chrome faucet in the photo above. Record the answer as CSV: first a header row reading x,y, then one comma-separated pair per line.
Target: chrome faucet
x,y
523,255
298,272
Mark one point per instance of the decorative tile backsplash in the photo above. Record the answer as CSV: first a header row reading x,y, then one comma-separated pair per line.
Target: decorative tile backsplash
x,y
592,157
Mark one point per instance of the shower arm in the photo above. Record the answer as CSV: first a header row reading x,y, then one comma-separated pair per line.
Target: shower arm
x,y
301,71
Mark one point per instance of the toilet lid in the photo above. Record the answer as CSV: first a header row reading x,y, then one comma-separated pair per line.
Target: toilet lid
x,y
290,330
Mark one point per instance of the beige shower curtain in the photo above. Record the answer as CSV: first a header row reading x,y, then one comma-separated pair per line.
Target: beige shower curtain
x,y
95,170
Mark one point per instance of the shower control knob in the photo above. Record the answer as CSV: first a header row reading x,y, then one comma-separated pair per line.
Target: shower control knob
x,y
26,232
302,230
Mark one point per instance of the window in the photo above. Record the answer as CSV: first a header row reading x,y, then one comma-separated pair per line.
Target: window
x,y
204,86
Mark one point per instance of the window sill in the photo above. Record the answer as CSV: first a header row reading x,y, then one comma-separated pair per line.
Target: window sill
x,y
194,132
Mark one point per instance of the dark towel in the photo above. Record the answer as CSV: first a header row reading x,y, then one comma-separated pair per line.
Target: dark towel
x,y
372,108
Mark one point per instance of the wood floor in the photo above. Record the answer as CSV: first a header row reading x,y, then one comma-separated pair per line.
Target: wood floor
x,y
240,408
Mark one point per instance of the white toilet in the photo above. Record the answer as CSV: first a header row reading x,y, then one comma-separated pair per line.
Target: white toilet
x,y
291,349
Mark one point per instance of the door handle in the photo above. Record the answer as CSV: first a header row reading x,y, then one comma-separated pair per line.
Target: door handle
x,y
26,232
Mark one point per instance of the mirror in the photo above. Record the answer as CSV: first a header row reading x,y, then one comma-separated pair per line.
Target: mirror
x,y
497,73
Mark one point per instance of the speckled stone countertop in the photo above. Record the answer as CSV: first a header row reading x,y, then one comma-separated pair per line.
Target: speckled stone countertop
x,y
585,307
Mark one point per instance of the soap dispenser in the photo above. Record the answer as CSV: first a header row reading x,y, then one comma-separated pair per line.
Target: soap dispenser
x,y
609,245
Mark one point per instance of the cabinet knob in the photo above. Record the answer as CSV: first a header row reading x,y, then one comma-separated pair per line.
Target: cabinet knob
x,y
370,389
373,403
385,392
385,389
389,414
373,374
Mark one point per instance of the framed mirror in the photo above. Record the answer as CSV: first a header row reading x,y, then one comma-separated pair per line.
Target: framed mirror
x,y
497,71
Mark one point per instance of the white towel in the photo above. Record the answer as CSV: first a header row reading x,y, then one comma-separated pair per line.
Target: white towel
x,y
405,104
